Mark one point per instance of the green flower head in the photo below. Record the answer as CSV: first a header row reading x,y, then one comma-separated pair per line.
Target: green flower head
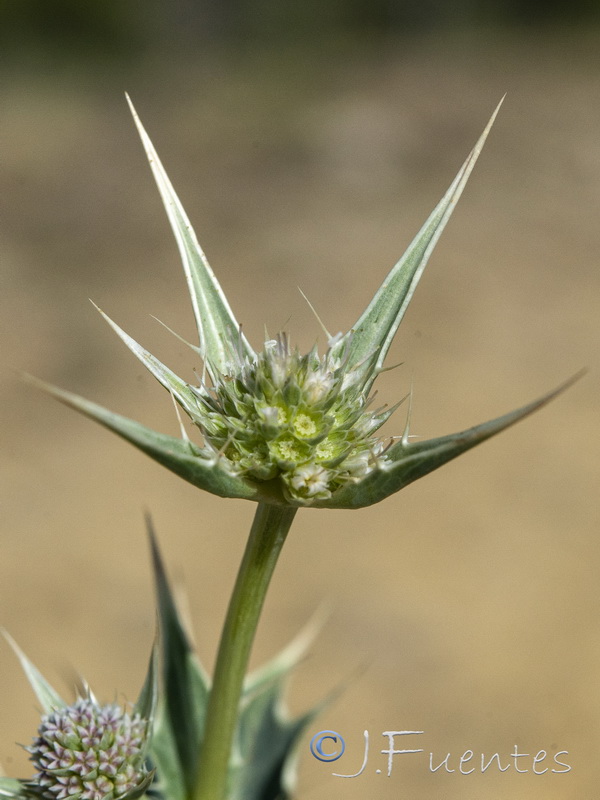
x,y
300,421
280,427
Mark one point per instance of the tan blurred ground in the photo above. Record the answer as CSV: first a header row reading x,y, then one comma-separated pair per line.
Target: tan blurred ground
x,y
468,604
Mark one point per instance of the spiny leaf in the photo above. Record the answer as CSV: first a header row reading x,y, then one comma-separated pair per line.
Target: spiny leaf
x,y
168,783
287,659
166,377
369,339
181,457
48,697
217,327
262,766
185,684
265,746
10,788
411,461
147,701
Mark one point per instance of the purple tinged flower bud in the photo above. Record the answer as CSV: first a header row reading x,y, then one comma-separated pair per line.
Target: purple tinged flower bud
x,y
90,752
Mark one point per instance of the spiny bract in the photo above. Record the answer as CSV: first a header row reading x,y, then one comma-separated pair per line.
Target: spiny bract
x,y
284,428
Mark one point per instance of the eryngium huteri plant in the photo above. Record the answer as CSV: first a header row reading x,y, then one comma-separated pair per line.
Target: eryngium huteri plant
x,y
284,430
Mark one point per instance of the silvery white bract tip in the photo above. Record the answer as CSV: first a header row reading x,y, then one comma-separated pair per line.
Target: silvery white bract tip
x,y
281,427
85,750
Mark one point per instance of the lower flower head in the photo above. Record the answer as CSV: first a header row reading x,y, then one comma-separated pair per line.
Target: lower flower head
x,y
90,752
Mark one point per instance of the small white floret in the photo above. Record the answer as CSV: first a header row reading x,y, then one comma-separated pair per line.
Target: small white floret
x,y
310,480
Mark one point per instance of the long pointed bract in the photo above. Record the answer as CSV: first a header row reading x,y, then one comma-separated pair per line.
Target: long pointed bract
x,y
165,376
413,461
181,457
374,331
217,326
48,697
11,788
147,701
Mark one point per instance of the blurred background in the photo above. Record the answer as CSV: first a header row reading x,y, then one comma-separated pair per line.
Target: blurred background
x,y
308,143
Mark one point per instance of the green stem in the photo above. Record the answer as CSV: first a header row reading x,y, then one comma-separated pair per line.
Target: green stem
x,y
269,530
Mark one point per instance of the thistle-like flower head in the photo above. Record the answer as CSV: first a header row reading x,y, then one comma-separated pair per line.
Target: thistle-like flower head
x,y
85,750
285,428
89,751
299,420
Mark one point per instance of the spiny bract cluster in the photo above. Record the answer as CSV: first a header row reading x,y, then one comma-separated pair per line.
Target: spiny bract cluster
x,y
301,418
88,751
283,428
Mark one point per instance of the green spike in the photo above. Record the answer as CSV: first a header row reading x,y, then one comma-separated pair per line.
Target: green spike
x,y
166,377
177,455
266,743
217,327
185,686
148,699
370,337
48,697
11,788
411,461
288,658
